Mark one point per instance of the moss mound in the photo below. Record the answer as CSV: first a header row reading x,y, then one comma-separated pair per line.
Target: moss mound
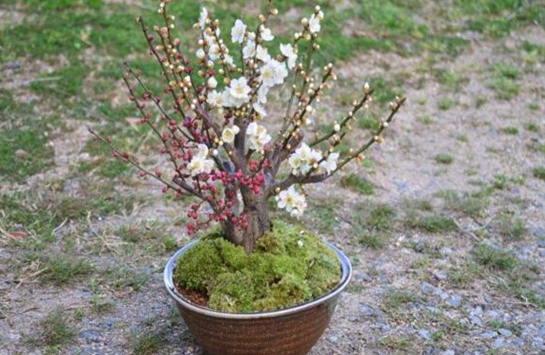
x,y
289,266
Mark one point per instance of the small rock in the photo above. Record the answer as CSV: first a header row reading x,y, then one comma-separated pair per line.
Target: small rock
x,y
427,288
505,332
498,343
542,253
493,314
13,66
448,352
446,251
91,335
540,232
475,320
541,331
455,301
488,335
537,342
363,277
333,339
517,342
419,247
439,275
21,153
366,309
425,334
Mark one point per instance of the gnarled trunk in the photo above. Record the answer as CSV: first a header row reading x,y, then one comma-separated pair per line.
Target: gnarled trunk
x,y
255,208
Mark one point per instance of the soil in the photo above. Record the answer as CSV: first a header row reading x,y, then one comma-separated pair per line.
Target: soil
x,y
408,297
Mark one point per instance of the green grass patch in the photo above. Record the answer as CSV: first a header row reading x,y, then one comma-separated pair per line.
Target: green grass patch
x,y
472,204
59,269
358,184
539,172
61,84
24,152
445,103
445,159
504,80
512,130
494,258
55,330
432,223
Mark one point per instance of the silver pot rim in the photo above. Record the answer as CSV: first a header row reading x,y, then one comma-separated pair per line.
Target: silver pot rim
x,y
169,283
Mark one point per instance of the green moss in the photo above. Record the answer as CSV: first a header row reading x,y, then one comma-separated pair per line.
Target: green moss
x,y
280,273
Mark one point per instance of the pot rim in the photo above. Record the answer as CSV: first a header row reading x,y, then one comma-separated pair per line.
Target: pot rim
x,y
169,283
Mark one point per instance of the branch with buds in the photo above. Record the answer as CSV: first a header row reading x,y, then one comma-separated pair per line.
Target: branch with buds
x,y
211,116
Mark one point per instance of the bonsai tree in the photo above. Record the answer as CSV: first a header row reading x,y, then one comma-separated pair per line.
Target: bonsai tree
x,y
212,115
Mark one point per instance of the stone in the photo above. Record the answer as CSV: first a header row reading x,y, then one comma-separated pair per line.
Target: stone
x,y
498,343
505,332
454,301
420,247
426,287
488,335
440,275
425,334
91,335
448,352
363,277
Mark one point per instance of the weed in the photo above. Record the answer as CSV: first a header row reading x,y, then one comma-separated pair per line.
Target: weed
x,y
397,299
148,344
503,80
124,277
396,342
494,258
539,172
358,184
432,223
445,103
55,330
444,159
465,274
470,204
512,130
532,127
59,269
372,240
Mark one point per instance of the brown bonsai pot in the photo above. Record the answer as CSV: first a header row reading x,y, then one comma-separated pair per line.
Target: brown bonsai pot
x,y
290,331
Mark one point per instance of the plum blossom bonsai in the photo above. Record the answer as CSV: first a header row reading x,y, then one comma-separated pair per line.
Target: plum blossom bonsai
x,y
212,118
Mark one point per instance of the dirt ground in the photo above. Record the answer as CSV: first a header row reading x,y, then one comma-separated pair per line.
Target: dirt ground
x,y
455,267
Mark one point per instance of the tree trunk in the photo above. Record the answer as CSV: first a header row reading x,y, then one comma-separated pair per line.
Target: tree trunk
x,y
255,208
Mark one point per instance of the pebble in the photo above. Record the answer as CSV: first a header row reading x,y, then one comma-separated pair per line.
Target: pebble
x,y
363,277
541,331
425,334
439,275
475,320
366,309
488,335
517,342
419,247
542,253
448,352
541,244
498,343
333,339
505,332
13,66
91,335
538,342
427,288
455,301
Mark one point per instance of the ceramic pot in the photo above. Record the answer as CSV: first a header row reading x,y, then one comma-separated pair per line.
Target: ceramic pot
x,y
290,331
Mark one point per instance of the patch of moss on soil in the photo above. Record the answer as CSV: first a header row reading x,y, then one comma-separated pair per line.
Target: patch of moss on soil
x,y
289,266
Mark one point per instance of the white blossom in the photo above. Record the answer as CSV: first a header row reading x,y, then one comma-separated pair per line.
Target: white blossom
x,y
304,159
216,99
257,136
229,133
330,164
239,92
262,54
314,22
273,73
214,52
200,53
262,94
292,201
238,31
203,17
288,52
249,51
200,163
266,34
260,110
